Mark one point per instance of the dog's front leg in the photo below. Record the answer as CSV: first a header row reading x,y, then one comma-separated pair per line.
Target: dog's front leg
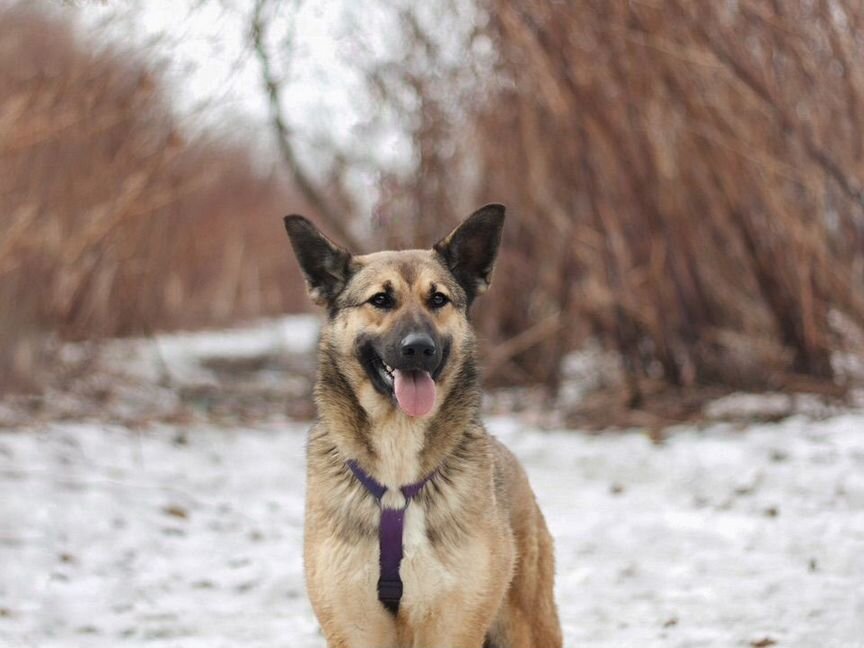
x,y
462,618
453,602
367,635
358,628
443,634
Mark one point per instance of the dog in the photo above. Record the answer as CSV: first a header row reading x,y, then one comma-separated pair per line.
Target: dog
x,y
421,529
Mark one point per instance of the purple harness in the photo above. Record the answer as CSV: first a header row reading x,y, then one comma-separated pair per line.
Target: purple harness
x,y
390,534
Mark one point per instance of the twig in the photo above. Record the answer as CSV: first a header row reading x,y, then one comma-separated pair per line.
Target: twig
x,y
283,137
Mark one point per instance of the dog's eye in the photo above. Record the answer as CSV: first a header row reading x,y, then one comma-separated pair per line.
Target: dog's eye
x,y
381,300
438,300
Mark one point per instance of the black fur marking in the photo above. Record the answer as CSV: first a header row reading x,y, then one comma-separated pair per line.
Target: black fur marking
x,y
408,272
469,251
333,392
342,509
448,525
326,266
445,355
372,364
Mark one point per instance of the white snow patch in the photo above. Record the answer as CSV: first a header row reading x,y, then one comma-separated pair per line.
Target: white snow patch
x,y
183,355
770,405
744,405
717,538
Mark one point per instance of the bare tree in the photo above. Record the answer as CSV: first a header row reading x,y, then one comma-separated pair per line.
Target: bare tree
x,y
331,204
686,180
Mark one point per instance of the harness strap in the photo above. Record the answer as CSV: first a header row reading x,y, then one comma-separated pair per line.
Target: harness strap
x,y
390,532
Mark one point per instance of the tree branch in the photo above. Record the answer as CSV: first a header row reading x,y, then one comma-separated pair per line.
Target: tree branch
x,y
333,221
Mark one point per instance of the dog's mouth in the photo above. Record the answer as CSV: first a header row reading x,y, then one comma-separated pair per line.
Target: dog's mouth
x,y
380,373
413,390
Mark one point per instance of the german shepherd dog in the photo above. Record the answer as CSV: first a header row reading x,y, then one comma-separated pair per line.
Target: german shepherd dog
x,y
421,529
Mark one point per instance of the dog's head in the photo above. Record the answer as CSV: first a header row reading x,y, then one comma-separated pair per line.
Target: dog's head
x,y
398,327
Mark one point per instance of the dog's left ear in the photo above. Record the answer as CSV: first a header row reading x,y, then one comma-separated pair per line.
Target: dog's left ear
x,y
470,249
326,266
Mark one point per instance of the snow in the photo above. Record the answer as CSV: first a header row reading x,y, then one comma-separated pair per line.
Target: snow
x,y
324,55
165,535
192,537
113,536
184,355
321,54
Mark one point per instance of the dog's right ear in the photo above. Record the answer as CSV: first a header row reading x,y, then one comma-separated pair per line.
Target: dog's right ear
x,y
326,266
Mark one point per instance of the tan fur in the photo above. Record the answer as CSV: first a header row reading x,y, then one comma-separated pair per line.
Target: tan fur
x,y
478,560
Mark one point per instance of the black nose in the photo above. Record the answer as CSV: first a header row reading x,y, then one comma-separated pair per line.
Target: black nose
x,y
417,351
418,344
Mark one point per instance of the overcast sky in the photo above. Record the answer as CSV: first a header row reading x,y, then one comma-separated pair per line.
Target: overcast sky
x,y
321,51
215,80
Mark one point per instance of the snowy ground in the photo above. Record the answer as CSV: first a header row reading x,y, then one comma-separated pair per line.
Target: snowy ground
x,y
186,536
167,537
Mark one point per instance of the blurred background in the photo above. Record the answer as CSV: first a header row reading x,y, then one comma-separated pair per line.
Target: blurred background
x,y
684,179
684,183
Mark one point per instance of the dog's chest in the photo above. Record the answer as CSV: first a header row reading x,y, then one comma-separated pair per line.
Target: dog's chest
x,y
430,574
424,574
434,575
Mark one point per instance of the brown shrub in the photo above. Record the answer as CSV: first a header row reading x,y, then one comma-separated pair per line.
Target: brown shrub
x,y
685,183
113,222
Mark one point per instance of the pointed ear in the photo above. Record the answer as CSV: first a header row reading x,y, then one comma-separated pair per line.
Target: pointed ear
x,y
470,249
326,266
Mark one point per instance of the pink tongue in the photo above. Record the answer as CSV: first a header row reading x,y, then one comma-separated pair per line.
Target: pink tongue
x,y
415,392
